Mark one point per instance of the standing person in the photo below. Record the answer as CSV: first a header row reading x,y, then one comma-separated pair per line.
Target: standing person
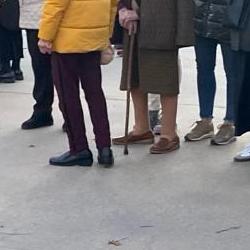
x,y
11,43
210,32
76,45
43,91
164,26
240,42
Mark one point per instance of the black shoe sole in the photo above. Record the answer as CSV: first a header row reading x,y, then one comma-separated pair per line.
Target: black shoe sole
x,y
7,80
81,163
24,127
19,78
106,163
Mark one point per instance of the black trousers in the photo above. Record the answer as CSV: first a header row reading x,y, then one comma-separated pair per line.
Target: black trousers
x,y
43,91
242,92
11,45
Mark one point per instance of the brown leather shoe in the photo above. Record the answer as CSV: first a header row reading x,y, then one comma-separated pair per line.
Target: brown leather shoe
x,y
146,138
164,146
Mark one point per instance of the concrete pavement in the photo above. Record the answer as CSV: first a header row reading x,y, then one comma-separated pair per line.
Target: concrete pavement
x,y
196,198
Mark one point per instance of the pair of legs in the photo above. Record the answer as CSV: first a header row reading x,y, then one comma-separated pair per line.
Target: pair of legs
x,y
206,51
169,112
68,71
11,52
43,91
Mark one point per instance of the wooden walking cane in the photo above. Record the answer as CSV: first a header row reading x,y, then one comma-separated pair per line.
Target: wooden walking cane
x,y
128,83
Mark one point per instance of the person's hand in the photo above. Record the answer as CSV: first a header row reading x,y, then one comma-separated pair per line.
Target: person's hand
x,y
45,46
132,27
128,18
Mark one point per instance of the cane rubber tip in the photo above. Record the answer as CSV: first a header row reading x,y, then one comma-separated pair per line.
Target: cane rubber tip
x,y
125,152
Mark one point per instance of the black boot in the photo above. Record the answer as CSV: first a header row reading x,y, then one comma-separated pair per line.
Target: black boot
x,y
38,121
17,70
19,75
6,74
8,77
83,158
105,157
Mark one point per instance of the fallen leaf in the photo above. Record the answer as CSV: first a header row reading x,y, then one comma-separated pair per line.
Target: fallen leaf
x,y
228,229
146,226
115,243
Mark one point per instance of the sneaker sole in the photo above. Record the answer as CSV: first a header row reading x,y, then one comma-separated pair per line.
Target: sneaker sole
x,y
203,137
214,143
156,152
243,159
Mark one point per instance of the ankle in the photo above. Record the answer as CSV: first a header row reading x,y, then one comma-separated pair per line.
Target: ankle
x,y
228,123
140,131
169,136
207,120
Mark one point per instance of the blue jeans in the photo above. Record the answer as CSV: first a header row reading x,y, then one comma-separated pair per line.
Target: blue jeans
x,y
205,50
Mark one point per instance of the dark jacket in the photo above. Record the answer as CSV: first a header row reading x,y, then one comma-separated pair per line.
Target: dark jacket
x,y
209,19
9,15
238,19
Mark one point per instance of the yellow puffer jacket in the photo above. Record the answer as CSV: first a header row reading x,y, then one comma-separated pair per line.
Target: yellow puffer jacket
x,y
77,26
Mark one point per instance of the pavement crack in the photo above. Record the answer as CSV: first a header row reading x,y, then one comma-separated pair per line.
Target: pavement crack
x,y
14,234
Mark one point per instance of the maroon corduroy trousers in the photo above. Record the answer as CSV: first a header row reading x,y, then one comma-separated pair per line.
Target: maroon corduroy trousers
x,y
69,71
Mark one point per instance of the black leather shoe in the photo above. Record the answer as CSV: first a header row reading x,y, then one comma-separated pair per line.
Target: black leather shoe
x,y
8,77
18,75
83,158
105,157
38,121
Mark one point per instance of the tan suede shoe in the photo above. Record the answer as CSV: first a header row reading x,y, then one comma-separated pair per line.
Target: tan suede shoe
x,y
145,138
164,146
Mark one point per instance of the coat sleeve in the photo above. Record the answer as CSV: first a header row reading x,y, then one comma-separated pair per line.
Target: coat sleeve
x,y
112,15
52,14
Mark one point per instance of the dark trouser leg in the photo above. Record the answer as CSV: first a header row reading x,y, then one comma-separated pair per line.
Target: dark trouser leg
x,y
43,91
231,74
242,106
5,50
205,50
17,47
65,70
91,79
